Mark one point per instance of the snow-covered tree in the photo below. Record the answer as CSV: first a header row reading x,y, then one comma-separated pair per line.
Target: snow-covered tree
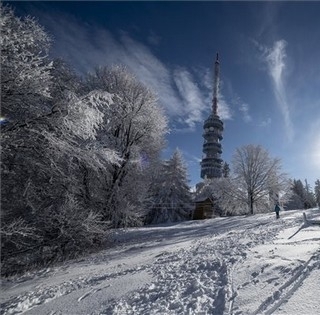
x,y
317,191
225,170
64,81
25,68
302,196
254,182
297,198
310,200
257,174
136,128
43,167
170,196
50,152
228,197
76,160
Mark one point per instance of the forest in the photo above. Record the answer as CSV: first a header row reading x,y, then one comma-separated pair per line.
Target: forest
x,y
79,154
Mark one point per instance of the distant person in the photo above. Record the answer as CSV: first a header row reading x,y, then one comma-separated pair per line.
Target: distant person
x,y
277,210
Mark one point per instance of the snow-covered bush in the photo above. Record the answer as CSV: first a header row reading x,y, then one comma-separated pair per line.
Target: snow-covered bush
x,y
17,234
76,228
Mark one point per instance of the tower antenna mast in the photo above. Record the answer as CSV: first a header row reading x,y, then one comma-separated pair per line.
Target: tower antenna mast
x,y
216,86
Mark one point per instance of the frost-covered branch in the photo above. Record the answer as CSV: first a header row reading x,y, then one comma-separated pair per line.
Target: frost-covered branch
x,y
259,176
25,69
18,233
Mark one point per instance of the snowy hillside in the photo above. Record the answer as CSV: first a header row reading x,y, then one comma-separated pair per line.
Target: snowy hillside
x,y
235,265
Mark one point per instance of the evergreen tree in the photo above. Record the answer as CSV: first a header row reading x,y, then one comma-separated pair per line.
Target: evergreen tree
x,y
317,191
170,196
225,170
298,188
310,200
302,196
297,198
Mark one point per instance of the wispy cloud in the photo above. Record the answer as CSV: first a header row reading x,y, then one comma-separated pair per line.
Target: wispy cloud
x,y
88,46
190,158
244,108
265,123
275,58
223,107
191,96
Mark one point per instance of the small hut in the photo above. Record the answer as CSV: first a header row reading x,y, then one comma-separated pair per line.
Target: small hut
x,y
204,209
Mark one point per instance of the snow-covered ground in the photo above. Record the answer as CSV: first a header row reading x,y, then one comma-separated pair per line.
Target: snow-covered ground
x,y
237,265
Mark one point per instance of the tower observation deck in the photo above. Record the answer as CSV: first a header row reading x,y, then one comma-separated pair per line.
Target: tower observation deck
x,y
211,164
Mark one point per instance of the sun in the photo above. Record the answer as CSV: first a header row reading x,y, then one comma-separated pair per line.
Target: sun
x,y
3,120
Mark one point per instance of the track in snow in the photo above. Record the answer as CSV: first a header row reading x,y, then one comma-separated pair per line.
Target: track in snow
x,y
225,266
282,295
197,279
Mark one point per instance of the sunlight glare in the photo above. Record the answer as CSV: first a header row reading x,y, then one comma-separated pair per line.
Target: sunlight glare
x,y
316,153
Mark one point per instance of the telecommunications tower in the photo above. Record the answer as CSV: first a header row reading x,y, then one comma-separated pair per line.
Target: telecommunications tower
x,y
211,164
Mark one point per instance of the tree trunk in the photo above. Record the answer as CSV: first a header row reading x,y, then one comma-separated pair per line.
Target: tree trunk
x,y
250,199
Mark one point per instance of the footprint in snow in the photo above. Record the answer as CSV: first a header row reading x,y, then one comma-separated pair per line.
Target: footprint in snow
x,y
92,291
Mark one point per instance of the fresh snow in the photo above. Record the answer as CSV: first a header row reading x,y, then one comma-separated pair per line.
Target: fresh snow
x,y
233,265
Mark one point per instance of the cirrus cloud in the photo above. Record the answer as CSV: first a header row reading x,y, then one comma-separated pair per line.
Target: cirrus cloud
x,y
275,59
87,46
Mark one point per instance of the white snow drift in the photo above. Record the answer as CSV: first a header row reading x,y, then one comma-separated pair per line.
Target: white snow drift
x,y
234,265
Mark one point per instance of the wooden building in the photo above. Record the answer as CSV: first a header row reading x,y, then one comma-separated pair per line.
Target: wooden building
x,y
203,209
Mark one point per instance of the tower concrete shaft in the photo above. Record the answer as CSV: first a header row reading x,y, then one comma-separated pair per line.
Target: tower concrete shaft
x,y
211,164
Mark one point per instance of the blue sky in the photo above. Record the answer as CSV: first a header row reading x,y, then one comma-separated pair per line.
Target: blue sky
x,y
269,57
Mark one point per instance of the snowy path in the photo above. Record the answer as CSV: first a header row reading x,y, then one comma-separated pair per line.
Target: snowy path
x,y
239,266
